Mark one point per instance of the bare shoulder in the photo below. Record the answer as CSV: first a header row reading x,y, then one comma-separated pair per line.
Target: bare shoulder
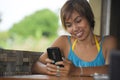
x,y
61,38
60,41
110,41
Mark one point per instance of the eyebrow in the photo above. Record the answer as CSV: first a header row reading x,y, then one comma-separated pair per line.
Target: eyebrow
x,y
74,19
77,18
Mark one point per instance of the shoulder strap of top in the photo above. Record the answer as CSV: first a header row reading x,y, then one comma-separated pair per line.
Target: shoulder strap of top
x,y
73,46
97,44
74,43
69,40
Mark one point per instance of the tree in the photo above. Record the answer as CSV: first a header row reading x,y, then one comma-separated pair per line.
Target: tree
x,y
41,23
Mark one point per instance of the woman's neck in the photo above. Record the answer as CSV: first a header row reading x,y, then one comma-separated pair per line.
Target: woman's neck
x,y
88,41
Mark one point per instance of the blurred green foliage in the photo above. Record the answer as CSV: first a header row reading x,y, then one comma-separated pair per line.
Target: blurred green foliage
x,y
4,36
36,29
42,23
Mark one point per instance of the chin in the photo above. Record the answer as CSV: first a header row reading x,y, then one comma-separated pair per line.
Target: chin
x,y
81,38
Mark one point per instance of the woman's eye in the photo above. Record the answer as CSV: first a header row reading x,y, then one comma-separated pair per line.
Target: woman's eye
x,y
78,21
68,25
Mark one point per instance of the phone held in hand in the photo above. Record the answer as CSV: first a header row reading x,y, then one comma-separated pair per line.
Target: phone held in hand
x,y
54,53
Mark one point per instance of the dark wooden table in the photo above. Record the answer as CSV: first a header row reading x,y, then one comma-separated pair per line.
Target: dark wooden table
x,y
44,77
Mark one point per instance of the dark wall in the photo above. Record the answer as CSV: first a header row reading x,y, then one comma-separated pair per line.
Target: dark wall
x,y
17,62
115,20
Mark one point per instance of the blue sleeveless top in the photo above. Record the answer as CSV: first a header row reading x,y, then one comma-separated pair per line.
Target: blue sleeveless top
x,y
98,61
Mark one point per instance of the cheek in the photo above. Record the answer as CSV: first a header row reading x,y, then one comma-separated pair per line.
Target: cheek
x,y
85,26
87,30
69,30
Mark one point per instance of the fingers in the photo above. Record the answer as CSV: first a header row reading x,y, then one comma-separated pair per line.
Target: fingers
x,y
51,69
66,61
57,72
54,69
59,63
49,60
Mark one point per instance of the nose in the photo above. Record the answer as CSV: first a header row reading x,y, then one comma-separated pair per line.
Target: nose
x,y
75,27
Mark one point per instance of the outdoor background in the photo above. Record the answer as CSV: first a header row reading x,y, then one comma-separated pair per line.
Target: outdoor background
x,y
30,25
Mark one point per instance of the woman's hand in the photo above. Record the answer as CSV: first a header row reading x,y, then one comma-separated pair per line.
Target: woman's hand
x,y
54,69
51,68
68,67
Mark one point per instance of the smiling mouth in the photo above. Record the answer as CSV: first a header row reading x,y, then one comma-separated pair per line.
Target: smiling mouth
x,y
79,34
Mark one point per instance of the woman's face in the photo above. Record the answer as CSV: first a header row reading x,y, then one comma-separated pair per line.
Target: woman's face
x,y
77,26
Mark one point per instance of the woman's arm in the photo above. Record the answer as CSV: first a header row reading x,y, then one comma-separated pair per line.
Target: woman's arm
x,y
39,68
87,71
43,65
68,69
110,44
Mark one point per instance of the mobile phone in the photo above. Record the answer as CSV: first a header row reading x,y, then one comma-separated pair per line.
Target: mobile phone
x,y
54,53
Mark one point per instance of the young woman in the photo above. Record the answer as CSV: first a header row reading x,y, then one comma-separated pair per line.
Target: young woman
x,y
84,52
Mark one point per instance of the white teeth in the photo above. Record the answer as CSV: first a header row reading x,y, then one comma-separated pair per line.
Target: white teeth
x,y
79,34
